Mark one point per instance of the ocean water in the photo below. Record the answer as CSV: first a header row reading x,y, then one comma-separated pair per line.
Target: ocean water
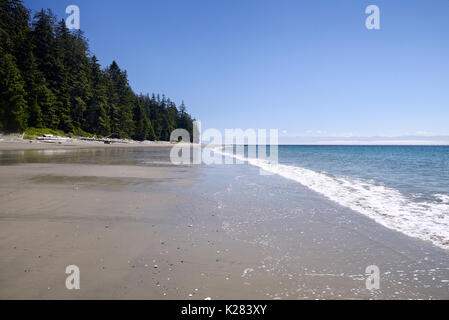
x,y
404,188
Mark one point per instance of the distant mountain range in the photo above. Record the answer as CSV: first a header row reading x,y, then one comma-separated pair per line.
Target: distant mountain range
x,y
365,140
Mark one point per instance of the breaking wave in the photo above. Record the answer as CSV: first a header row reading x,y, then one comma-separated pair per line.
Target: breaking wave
x,y
425,220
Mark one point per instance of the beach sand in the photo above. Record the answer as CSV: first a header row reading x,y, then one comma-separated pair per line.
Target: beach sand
x,y
140,228
126,227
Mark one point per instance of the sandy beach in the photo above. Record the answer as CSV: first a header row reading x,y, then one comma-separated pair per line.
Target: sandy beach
x,y
126,227
140,228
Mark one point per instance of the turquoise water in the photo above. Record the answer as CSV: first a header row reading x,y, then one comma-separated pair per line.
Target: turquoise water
x,y
418,171
405,188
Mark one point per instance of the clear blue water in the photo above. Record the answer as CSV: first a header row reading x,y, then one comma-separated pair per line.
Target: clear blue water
x,y
421,171
405,188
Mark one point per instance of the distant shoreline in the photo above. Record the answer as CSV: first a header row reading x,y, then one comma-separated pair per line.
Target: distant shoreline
x,y
17,145
370,144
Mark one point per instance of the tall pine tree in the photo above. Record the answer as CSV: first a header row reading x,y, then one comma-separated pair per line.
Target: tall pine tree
x,y
12,95
49,79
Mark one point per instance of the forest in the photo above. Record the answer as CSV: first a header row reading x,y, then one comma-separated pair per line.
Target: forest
x,y
50,79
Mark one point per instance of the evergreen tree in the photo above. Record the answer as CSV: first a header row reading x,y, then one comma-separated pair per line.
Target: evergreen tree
x,y
184,120
144,128
122,124
12,95
48,78
35,115
44,50
97,117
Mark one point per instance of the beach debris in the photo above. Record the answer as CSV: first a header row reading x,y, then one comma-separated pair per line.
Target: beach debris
x,y
155,266
208,298
246,271
49,138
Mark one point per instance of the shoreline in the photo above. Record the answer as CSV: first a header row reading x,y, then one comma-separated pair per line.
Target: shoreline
x,y
18,145
159,231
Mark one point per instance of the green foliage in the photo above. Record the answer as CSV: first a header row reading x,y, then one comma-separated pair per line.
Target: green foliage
x,y
77,132
49,80
35,115
33,133
12,95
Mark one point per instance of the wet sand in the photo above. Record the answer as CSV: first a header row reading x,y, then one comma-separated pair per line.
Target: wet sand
x,y
130,229
140,228
20,145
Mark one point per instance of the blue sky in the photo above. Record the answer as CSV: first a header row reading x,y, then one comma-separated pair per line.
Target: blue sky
x,y
307,68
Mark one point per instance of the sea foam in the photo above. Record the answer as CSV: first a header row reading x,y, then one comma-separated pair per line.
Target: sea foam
x,y
387,206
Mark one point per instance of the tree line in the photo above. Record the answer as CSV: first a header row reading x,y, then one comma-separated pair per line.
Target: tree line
x,y
49,79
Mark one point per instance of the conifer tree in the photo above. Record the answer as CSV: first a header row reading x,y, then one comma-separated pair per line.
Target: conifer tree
x,y
12,95
48,78
97,117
